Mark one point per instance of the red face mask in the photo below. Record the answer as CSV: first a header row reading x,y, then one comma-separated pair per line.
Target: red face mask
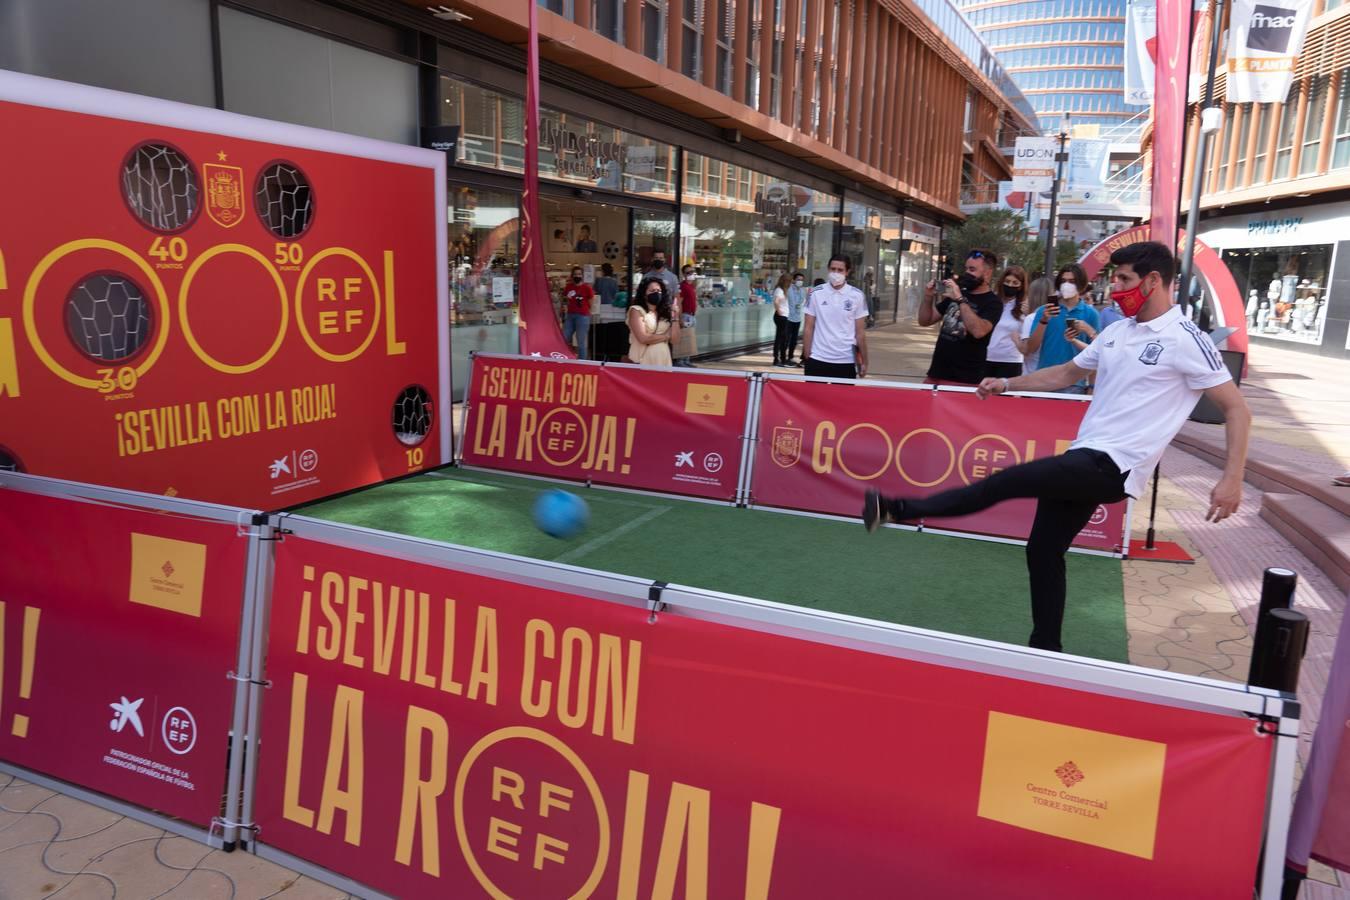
x,y
1131,301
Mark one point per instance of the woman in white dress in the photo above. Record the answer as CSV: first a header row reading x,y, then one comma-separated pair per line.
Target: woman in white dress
x,y
652,325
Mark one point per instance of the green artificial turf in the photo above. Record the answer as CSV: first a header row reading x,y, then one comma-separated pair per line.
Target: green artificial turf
x,y
957,585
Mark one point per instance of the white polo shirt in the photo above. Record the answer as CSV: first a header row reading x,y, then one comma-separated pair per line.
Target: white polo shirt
x,y
1149,377
835,311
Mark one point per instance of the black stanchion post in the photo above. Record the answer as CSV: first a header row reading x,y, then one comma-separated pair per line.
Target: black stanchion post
x,y
1152,510
1276,662
1277,592
1277,653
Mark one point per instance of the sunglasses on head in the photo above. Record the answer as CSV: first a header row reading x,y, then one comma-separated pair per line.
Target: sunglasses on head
x,y
976,254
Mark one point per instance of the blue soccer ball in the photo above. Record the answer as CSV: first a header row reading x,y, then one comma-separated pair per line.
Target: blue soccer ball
x,y
561,515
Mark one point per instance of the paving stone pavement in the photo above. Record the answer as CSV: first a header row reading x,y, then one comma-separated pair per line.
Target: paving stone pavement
x,y
54,846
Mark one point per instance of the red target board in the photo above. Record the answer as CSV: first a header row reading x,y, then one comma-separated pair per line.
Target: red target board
x,y
208,305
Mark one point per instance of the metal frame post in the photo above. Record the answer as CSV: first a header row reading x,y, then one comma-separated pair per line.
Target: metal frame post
x,y
239,735
269,534
749,438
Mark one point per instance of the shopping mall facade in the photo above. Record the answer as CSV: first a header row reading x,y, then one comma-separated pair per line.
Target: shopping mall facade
x,y
785,131
1276,197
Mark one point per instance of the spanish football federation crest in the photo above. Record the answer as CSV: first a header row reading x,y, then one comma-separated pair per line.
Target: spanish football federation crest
x,y
787,445
224,193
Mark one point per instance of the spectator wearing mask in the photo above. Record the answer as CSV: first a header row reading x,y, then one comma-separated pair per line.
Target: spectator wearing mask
x,y
667,277
688,311
1111,313
1004,359
780,320
968,310
652,324
607,286
578,296
1033,327
1061,315
834,343
796,300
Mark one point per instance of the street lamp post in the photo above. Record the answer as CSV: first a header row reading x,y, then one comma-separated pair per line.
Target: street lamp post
x,y
1060,159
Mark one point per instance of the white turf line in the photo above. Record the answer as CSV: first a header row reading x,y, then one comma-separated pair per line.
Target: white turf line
x,y
597,497
601,540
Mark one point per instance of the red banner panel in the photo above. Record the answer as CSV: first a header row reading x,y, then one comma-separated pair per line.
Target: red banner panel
x,y
673,431
186,311
822,445
118,627
432,733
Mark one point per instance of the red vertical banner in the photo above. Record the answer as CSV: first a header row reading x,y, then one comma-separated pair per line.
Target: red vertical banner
x,y
435,733
822,445
118,627
1169,116
540,334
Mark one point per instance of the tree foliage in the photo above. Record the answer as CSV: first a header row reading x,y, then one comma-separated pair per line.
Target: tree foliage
x,y
1003,232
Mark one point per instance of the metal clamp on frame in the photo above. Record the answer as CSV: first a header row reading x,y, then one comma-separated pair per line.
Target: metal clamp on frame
x,y
267,683
655,604
218,826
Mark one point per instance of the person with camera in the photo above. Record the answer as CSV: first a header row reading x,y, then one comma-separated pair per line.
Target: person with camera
x,y
968,310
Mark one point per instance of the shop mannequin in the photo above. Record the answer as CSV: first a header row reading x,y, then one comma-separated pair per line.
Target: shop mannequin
x,y
1253,306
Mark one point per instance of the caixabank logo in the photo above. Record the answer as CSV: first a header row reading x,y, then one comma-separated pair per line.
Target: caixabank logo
x,y
1271,28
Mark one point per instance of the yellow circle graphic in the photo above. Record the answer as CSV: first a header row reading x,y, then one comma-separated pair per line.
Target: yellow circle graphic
x,y
581,444
979,437
300,303
557,746
900,449
839,451
187,327
30,303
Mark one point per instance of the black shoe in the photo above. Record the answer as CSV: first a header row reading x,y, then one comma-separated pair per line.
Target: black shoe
x,y
874,510
794,364
780,365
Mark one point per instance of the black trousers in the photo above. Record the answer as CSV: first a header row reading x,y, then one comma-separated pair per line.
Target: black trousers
x,y
794,328
829,370
780,338
1068,489
1002,369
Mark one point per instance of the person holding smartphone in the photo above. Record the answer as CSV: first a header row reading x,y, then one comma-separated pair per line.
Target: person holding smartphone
x,y
1061,317
968,310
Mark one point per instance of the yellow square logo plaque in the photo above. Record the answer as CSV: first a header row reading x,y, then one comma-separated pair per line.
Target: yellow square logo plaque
x,y
167,573
1086,786
706,399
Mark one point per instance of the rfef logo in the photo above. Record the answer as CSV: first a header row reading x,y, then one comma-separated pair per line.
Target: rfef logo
x,y
1270,28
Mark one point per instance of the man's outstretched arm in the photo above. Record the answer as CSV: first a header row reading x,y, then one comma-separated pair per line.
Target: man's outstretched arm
x,y
1227,493
1051,379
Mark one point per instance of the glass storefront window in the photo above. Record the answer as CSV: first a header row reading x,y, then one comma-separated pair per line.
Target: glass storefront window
x,y
1285,290
871,240
492,125
1284,147
580,151
741,230
573,149
1312,125
1340,152
484,257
